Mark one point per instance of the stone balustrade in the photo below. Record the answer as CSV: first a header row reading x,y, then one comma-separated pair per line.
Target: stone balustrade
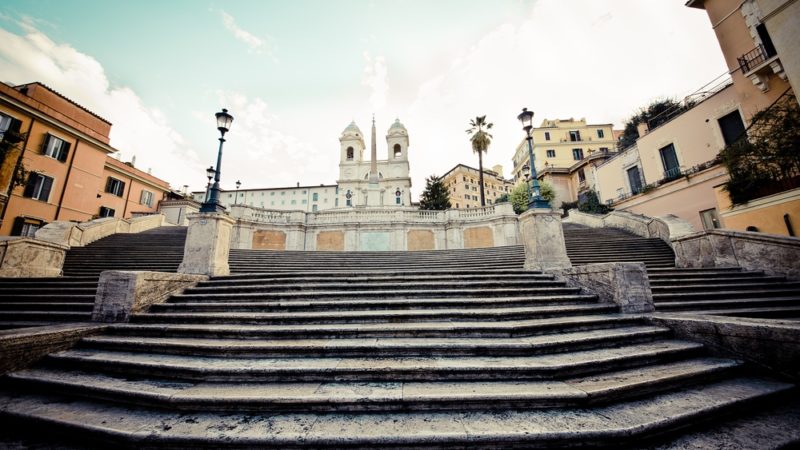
x,y
666,228
367,229
30,258
79,234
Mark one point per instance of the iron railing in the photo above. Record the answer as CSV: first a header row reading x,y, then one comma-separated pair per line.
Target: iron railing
x,y
753,58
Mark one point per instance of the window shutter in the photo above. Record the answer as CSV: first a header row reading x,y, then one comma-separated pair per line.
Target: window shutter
x,y
121,188
16,229
108,184
47,184
64,152
31,186
46,142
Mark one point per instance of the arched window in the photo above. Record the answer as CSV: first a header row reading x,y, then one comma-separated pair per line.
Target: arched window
x,y
349,153
397,151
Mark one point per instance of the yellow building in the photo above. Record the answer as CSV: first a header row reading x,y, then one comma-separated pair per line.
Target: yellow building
x,y
570,184
463,183
561,143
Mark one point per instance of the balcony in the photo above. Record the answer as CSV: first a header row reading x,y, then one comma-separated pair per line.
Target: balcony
x,y
671,174
759,63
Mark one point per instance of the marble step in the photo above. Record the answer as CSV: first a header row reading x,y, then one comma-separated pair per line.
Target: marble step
x,y
721,304
432,368
623,423
359,285
731,292
378,396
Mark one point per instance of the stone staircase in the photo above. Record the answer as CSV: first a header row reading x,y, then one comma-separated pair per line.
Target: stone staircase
x,y
718,291
26,302
405,353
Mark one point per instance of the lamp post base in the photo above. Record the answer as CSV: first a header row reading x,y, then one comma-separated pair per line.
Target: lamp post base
x,y
209,207
539,204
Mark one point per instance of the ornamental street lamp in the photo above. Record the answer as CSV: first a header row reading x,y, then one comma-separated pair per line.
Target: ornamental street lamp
x,y
209,174
535,199
224,121
236,198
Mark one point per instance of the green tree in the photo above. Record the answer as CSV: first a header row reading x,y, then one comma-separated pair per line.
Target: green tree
x,y
519,198
10,147
480,144
590,203
766,159
653,114
435,196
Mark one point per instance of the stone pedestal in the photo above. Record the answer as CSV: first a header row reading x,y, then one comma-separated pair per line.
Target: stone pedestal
x,y
208,243
30,258
541,233
623,283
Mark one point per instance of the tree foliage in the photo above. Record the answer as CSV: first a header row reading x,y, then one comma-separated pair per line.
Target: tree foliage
x,y
435,196
766,160
653,114
481,140
519,195
10,145
590,203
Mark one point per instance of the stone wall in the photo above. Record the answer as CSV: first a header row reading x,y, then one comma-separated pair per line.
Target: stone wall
x,y
74,234
30,258
23,347
122,293
665,228
776,255
374,229
624,284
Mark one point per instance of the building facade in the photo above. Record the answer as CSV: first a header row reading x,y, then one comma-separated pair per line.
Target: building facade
x,y
463,184
65,150
297,198
563,142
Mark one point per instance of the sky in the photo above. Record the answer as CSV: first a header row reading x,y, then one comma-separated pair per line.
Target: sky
x,y
295,73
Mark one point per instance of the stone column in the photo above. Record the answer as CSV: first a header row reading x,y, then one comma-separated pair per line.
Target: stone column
x,y
541,233
208,244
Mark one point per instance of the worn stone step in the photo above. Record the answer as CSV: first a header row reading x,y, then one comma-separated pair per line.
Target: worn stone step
x,y
669,296
47,306
177,305
750,284
299,278
367,316
520,346
728,303
703,281
44,316
387,396
400,330
358,285
233,369
624,423
89,298
693,270
15,291
780,312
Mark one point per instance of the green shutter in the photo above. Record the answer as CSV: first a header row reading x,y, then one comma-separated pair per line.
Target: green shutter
x,y
64,151
47,184
16,229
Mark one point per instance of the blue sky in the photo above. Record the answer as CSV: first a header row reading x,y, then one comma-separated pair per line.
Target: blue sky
x,y
294,73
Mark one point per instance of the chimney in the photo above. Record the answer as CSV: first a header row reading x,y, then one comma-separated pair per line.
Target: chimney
x,y
133,161
642,128
298,184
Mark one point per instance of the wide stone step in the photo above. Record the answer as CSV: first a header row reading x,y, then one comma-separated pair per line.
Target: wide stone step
x,y
332,278
733,291
699,305
387,396
233,369
664,278
380,316
691,270
378,294
177,305
398,330
624,423
44,316
778,312
47,306
358,285
714,282
38,298
385,347
68,290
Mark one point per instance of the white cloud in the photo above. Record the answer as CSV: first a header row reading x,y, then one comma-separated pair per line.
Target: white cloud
x,y
138,129
376,78
254,43
598,59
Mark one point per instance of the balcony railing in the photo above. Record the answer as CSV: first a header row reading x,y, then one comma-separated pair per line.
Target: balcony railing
x,y
674,172
753,58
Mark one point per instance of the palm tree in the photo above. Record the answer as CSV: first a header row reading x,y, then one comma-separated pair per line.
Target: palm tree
x,y
480,144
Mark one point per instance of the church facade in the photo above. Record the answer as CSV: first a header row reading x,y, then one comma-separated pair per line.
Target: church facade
x,y
362,182
373,182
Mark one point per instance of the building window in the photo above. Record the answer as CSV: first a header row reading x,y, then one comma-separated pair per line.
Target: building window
x,y
107,212
458,206
731,126
283,192
466,196
272,193
635,179
117,187
600,134
710,219
475,197
305,202
581,176
55,148
313,208
314,196
574,136
26,226
8,123
397,200
38,187
577,154
349,153
294,202
546,135
398,152
146,198
551,153
670,161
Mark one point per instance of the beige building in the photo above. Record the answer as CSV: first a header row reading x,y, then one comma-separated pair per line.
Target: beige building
x,y
463,183
562,143
571,183
297,198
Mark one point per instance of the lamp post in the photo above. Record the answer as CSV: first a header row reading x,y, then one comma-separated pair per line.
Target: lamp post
x,y
209,174
535,199
236,198
224,121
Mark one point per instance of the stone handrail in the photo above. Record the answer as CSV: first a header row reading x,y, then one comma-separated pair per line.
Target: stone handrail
x,y
25,257
74,234
666,228
773,254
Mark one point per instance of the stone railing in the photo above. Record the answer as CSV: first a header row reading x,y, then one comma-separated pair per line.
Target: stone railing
x,y
773,254
391,228
666,228
73,234
176,212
